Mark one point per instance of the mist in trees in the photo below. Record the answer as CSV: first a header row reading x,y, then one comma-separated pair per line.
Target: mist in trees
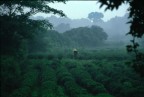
x,y
62,27
86,37
37,59
116,28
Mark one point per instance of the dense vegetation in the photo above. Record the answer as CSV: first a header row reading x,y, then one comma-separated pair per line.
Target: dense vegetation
x,y
78,37
16,25
56,73
95,73
86,37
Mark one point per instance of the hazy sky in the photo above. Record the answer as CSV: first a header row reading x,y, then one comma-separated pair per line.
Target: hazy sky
x,y
81,9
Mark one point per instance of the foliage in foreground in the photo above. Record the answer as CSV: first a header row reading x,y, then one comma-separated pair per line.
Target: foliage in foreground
x,y
67,77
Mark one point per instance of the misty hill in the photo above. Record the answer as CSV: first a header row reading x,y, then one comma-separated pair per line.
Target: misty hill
x,y
62,27
74,23
64,21
116,28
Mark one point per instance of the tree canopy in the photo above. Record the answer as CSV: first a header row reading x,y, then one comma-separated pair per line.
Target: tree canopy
x,y
16,25
86,36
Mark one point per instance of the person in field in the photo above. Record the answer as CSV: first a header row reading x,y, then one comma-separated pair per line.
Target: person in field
x,y
75,53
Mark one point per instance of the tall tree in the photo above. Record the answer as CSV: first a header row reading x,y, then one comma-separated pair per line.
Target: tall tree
x,y
16,25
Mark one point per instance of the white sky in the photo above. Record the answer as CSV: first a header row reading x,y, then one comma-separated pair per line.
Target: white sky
x,y
81,9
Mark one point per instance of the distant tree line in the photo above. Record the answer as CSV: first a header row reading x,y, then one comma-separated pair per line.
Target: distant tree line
x,y
78,37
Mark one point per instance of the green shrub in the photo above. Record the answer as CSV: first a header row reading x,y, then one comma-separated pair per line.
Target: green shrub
x,y
104,95
49,86
48,74
30,78
66,80
10,74
21,92
84,79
